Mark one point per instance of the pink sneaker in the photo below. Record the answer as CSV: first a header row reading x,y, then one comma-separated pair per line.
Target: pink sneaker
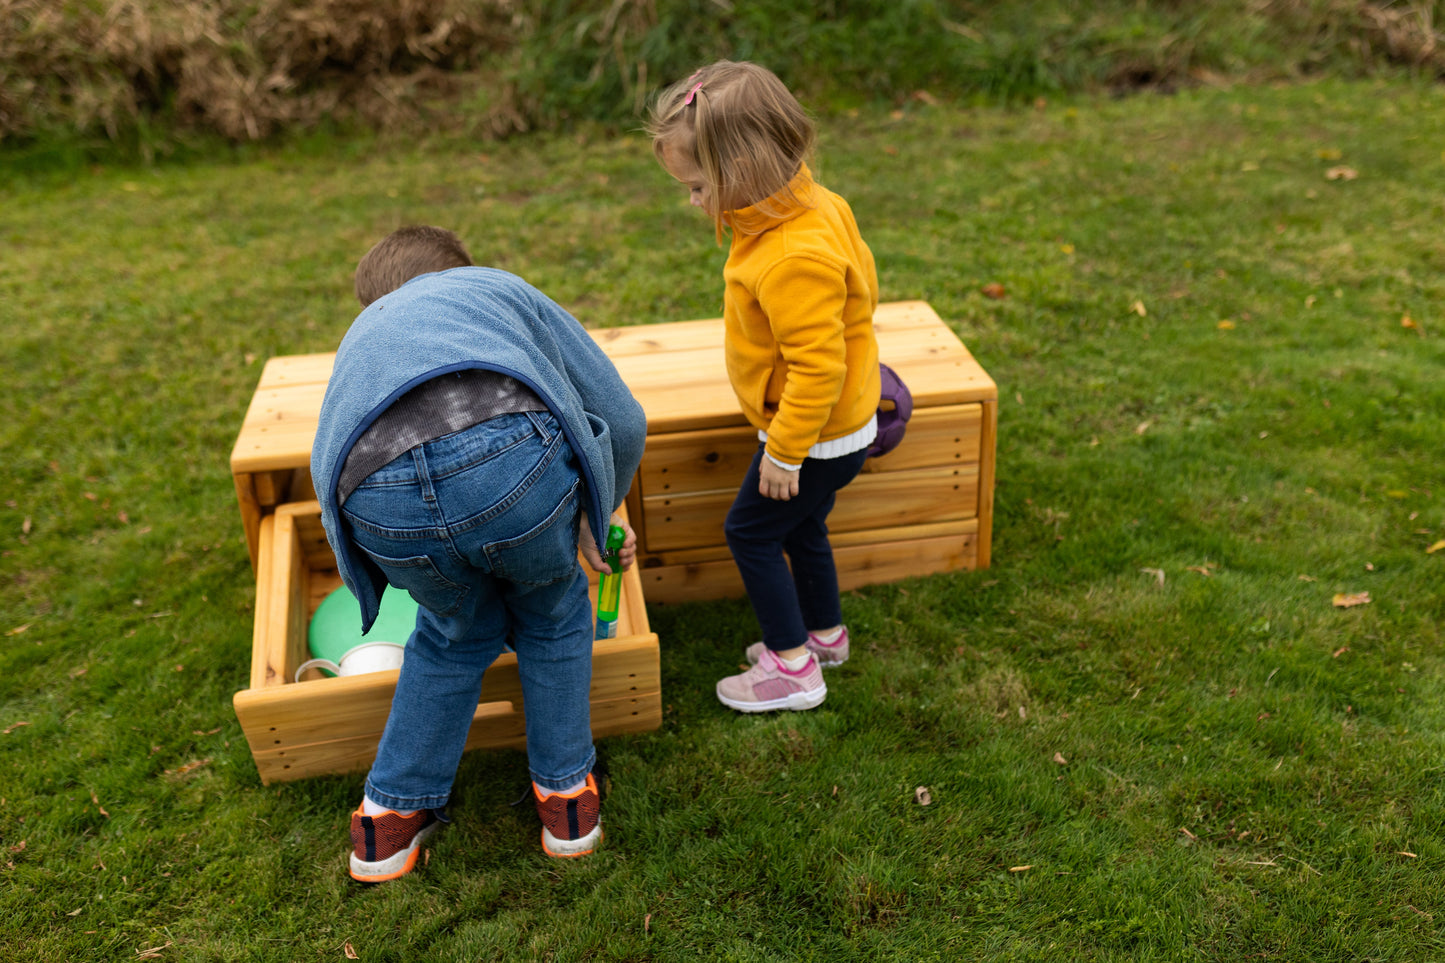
x,y
828,653
770,685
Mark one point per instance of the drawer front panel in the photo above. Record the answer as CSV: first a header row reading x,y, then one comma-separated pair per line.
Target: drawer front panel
x,y
858,565
689,462
873,500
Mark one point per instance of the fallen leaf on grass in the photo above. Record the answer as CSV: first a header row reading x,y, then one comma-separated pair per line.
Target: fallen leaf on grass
x,y
1158,573
1138,308
1142,427
921,796
1225,325
76,911
1021,869
1187,833
25,526
1436,547
188,768
1308,578
1059,758
18,629
647,923
993,290
1341,173
1202,570
350,951
152,953
1411,855
1343,600
1340,651
12,727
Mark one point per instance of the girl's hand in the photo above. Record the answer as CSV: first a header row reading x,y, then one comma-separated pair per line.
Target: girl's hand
x,y
588,544
776,483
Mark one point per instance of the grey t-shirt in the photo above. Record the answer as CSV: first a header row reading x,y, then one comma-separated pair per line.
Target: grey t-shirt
x,y
433,408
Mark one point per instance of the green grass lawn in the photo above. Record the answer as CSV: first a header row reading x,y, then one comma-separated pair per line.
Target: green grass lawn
x,y
1146,732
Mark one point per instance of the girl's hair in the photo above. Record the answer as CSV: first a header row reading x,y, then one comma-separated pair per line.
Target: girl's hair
x,y
404,254
742,128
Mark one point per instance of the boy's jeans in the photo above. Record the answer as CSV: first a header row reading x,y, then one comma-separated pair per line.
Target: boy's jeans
x,y
480,526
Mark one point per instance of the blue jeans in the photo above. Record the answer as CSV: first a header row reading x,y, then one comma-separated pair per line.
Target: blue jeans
x,y
480,526
790,602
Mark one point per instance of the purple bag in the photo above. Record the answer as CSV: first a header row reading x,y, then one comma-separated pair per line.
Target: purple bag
x,y
895,407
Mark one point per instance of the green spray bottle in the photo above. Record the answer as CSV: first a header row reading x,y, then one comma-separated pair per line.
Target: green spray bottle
x,y
609,586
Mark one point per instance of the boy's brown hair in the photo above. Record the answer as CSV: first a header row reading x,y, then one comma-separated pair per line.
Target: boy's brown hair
x,y
743,129
404,254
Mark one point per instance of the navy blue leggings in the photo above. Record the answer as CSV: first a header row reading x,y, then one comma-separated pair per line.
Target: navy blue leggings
x,y
790,604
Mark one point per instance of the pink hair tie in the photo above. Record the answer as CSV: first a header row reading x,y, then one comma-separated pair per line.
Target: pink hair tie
x,y
686,101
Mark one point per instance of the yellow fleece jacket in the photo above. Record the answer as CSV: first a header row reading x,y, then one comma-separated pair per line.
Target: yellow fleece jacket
x,y
800,290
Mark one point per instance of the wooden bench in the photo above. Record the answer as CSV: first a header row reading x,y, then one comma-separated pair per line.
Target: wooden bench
x,y
926,507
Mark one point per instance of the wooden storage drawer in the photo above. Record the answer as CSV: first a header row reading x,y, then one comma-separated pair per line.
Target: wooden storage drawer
x,y
925,507
331,725
688,480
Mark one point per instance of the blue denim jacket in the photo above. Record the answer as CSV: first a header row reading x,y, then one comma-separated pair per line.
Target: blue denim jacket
x,y
473,317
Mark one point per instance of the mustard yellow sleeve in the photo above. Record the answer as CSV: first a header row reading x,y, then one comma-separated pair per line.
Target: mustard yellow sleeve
x,y
803,298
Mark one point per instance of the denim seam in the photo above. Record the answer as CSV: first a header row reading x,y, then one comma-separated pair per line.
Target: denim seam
x,y
517,494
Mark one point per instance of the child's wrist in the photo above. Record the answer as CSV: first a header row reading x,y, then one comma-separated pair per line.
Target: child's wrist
x,y
782,464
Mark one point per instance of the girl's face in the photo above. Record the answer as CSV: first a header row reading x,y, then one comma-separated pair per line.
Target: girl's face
x,y
685,170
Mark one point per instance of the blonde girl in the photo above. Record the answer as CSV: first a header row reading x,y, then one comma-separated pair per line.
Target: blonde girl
x,y
799,291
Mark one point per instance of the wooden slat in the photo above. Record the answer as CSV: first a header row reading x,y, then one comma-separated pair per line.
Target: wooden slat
x,y
988,441
872,563
262,662
869,536
308,728
871,501
946,435
294,369
682,462
713,460
890,318
251,513
493,727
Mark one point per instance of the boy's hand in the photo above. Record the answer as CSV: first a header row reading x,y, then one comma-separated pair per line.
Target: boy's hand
x,y
588,544
776,483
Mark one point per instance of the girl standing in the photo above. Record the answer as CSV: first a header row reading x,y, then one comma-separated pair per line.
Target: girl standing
x,y
799,293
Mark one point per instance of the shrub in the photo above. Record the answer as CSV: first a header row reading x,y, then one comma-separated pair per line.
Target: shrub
x,y
248,68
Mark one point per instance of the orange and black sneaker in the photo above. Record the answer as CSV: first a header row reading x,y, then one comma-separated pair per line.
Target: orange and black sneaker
x,y
571,822
386,846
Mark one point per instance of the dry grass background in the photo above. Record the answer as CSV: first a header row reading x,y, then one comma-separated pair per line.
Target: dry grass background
x,y
242,69
246,69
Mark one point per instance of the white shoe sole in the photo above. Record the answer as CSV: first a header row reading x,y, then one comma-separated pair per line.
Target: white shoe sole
x,y
569,848
398,864
796,701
